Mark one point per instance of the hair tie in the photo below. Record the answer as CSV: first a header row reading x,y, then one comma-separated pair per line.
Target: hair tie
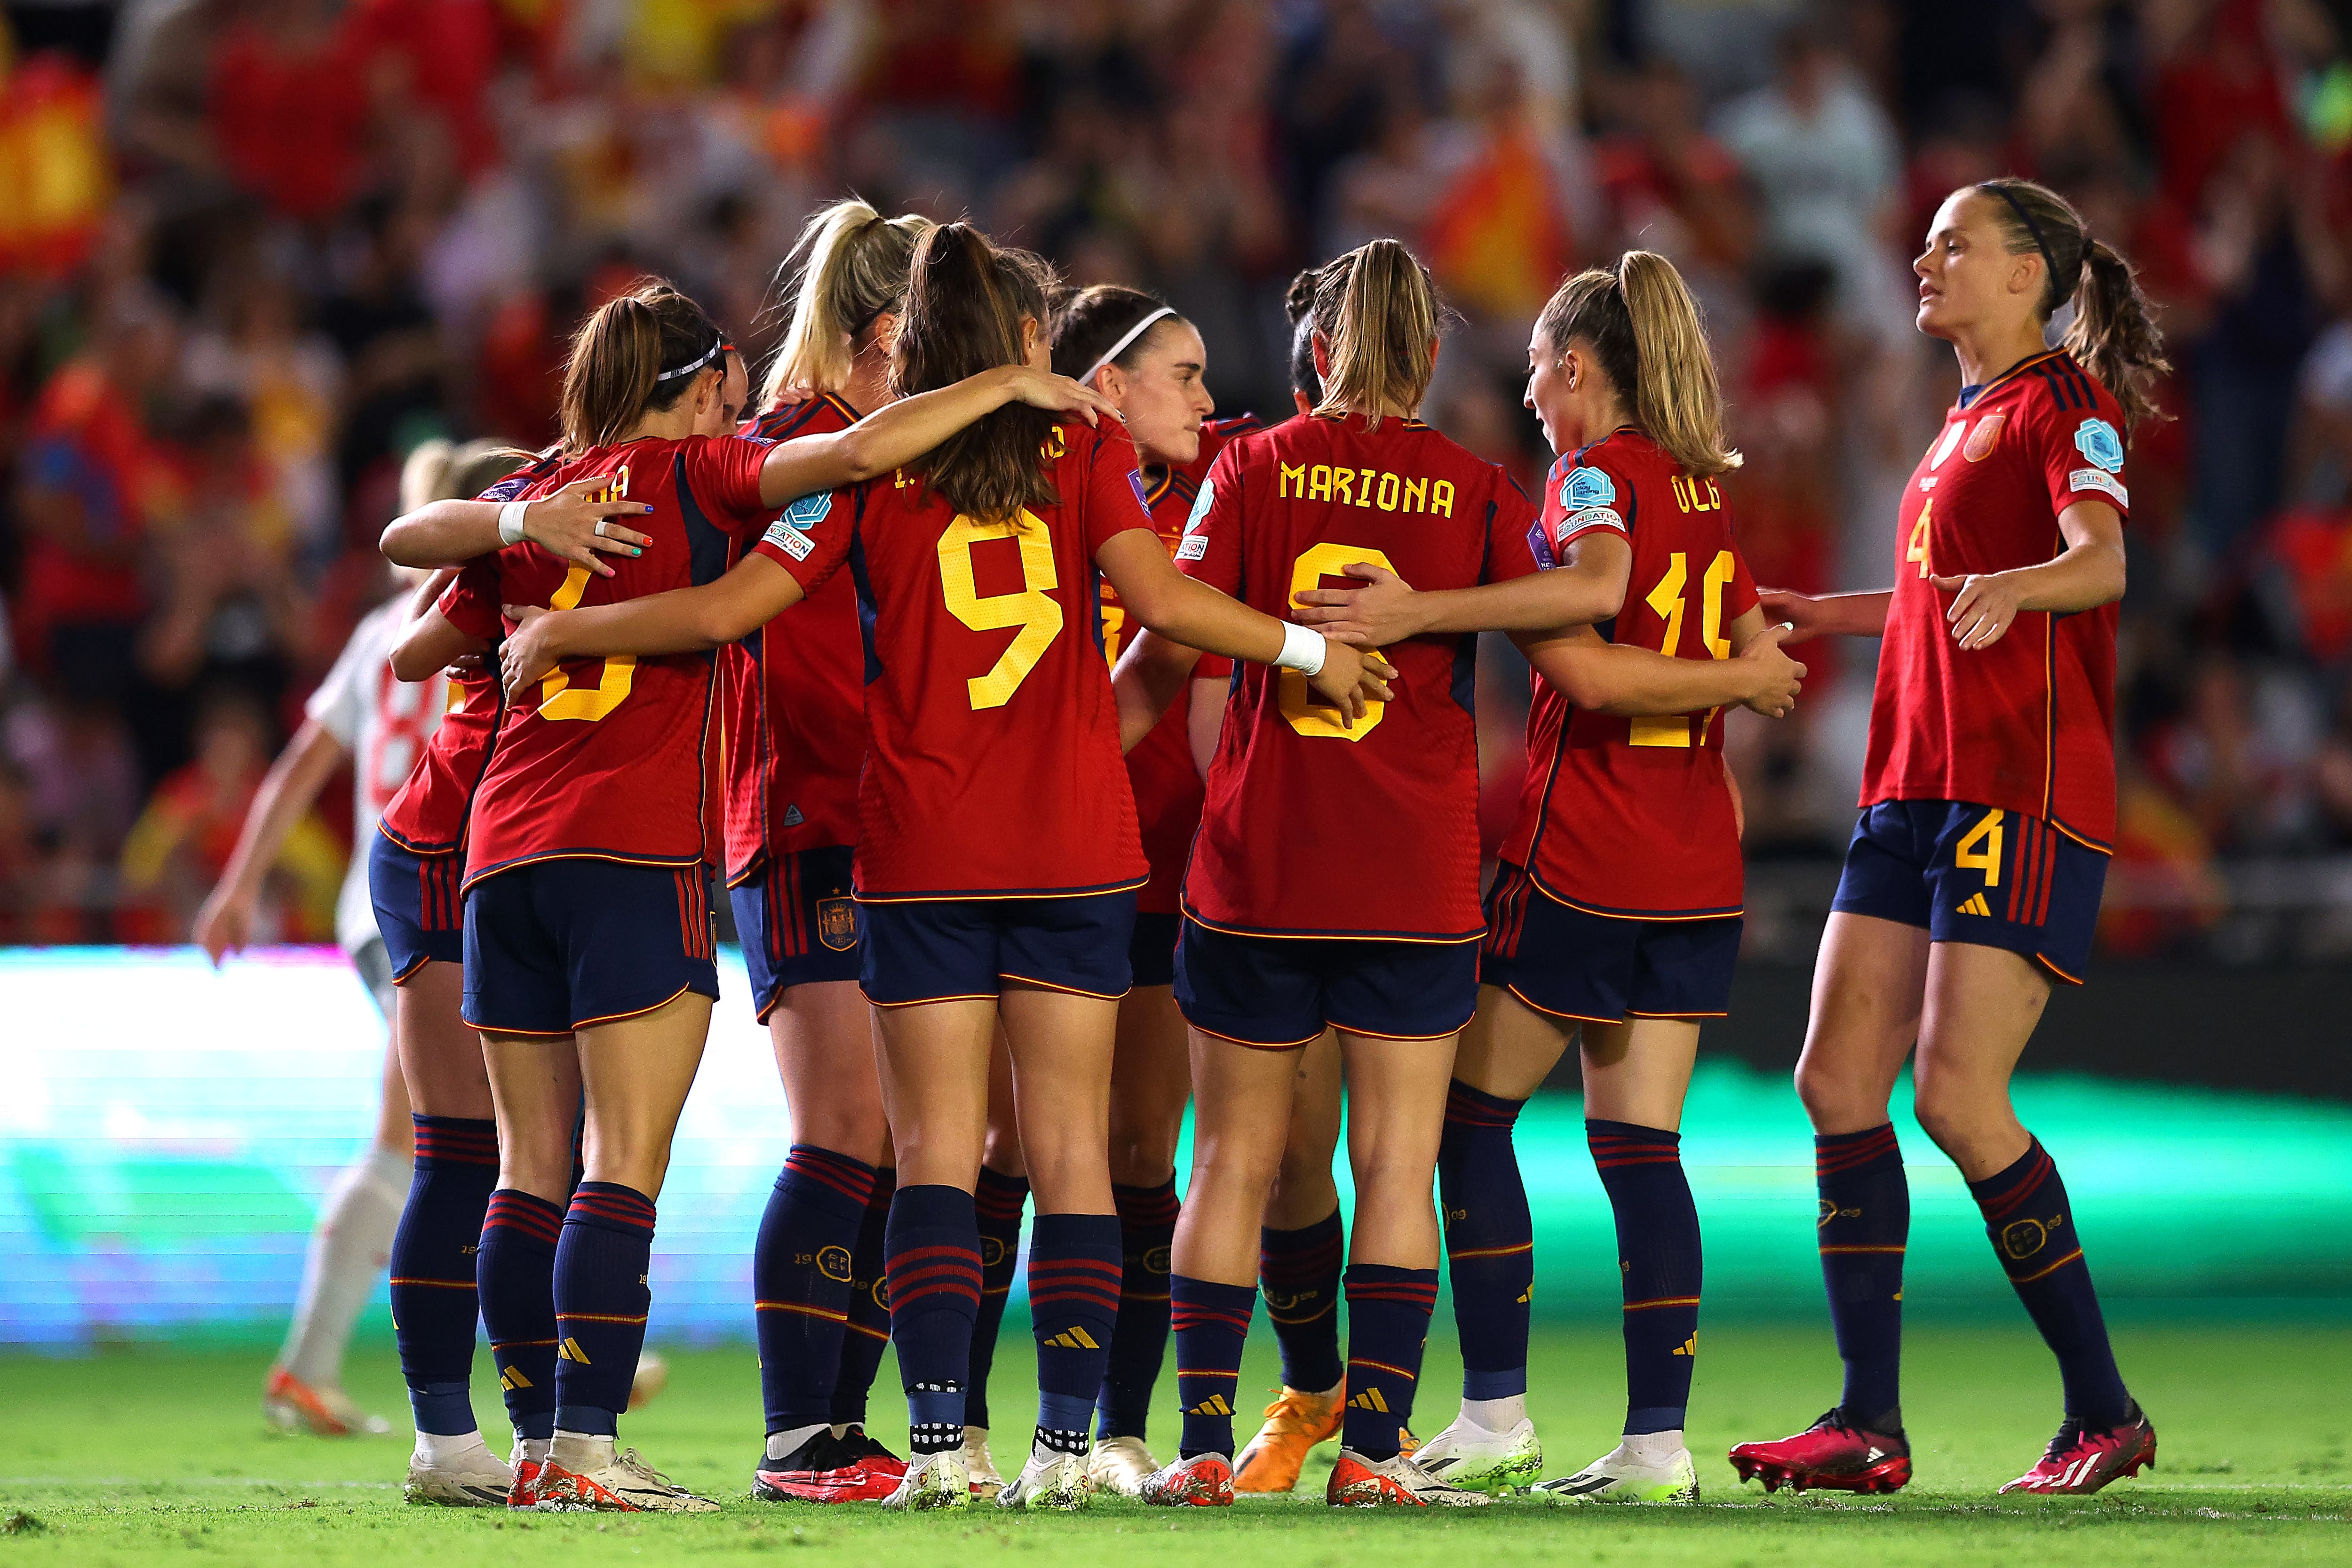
x,y
1116,350
718,346
2006,194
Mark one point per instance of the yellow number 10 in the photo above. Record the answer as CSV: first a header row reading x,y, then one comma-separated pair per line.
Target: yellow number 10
x,y
1032,610
1666,600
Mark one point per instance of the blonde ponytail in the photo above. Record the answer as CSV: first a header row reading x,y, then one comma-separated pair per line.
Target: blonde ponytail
x,y
1376,309
1643,326
848,266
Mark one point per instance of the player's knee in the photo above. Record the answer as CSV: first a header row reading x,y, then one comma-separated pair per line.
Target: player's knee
x,y
1141,1157
1834,1099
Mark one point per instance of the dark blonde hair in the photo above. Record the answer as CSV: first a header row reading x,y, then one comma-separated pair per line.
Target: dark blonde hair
x,y
637,354
966,300
848,267
1376,310
2113,334
1644,328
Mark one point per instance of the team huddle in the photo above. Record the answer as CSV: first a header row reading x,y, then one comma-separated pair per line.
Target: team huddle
x,y
1070,756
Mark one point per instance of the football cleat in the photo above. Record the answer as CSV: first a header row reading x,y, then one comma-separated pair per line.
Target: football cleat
x,y
882,1467
933,1480
1618,1476
822,1469
1467,1455
621,1484
2081,1459
1205,1480
1051,1479
524,1492
1399,1482
986,1483
292,1406
476,1479
1832,1454
1120,1465
650,1378
1295,1423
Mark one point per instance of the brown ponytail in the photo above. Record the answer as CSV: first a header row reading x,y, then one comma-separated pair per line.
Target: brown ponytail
x,y
1377,310
2113,334
848,266
965,302
637,354
1643,326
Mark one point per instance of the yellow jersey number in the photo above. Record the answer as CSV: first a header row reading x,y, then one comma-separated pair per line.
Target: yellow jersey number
x,y
1032,608
558,698
1309,717
1667,600
1917,551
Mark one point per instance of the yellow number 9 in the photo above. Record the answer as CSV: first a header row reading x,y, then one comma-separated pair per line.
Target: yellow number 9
x,y
1308,716
1032,610
558,698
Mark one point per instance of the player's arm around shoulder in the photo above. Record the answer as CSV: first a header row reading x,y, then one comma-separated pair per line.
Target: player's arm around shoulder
x,y
682,620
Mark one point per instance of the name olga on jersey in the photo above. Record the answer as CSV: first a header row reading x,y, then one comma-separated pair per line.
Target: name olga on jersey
x,y
1365,487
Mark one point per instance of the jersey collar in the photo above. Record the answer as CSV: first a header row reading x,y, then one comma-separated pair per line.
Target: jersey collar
x,y
2012,374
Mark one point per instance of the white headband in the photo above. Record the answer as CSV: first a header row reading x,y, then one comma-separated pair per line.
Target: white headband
x,y
1116,350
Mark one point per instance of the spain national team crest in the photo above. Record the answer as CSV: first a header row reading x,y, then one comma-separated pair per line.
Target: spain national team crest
x,y
836,924
1984,438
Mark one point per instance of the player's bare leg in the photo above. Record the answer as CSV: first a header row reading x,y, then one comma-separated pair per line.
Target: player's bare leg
x,y
1299,1270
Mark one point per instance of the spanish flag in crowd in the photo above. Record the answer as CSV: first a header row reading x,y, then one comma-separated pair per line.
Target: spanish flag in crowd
x,y
55,176
1499,240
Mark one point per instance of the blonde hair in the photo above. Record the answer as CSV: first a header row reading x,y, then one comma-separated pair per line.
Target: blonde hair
x,y
1644,328
1377,310
848,266
439,470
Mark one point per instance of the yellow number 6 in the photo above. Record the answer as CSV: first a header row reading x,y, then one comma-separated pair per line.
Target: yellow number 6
x,y
1037,615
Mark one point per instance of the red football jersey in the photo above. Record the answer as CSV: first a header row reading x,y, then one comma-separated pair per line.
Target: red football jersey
x,y
794,697
2027,725
1631,816
611,758
429,814
993,766
1160,769
1310,830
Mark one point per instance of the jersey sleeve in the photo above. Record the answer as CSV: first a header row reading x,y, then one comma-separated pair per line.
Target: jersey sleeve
x,y
1211,548
724,472
1579,498
1511,533
1114,494
471,603
2082,456
811,538
340,704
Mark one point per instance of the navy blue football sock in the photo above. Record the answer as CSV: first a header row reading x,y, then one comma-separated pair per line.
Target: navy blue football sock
x,y
600,1303
802,1277
1300,1272
1074,1304
515,1270
933,1268
1212,1324
1146,1230
1489,1240
996,1205
868,1332
1658,1255
2032,1227
1388,1327
433,1293
1864,1225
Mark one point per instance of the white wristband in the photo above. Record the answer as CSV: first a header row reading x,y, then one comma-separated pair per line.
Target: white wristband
x,y
1303,649
510,522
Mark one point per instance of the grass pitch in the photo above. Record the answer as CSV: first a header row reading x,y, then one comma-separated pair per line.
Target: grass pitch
x,y
139,1456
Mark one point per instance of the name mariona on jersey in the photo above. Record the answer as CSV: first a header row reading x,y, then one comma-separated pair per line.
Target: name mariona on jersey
x,y
1366,487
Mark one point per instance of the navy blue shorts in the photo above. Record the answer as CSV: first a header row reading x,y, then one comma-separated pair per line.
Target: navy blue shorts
x,y
1978,875
555,945
1602,968
418,910
798,923
1152,954
938,950
1276,993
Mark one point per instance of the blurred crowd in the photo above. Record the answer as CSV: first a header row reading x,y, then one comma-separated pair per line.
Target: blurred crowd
x,y
253,251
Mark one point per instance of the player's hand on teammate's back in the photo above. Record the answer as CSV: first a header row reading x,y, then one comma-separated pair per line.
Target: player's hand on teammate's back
x,y
528,651
566,523
1777,677
1383,610
1350,678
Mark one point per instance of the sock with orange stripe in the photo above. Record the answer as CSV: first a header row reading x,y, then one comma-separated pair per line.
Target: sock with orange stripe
x,y
601,1301
1146,1230
868,1334
1658,1254
802,1274
1212,1325
515,1270
1864,1225
2032,1226
997,1205
1074,1276
1300,1272
433,1299
1489,1240
1388,1328
932,1255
